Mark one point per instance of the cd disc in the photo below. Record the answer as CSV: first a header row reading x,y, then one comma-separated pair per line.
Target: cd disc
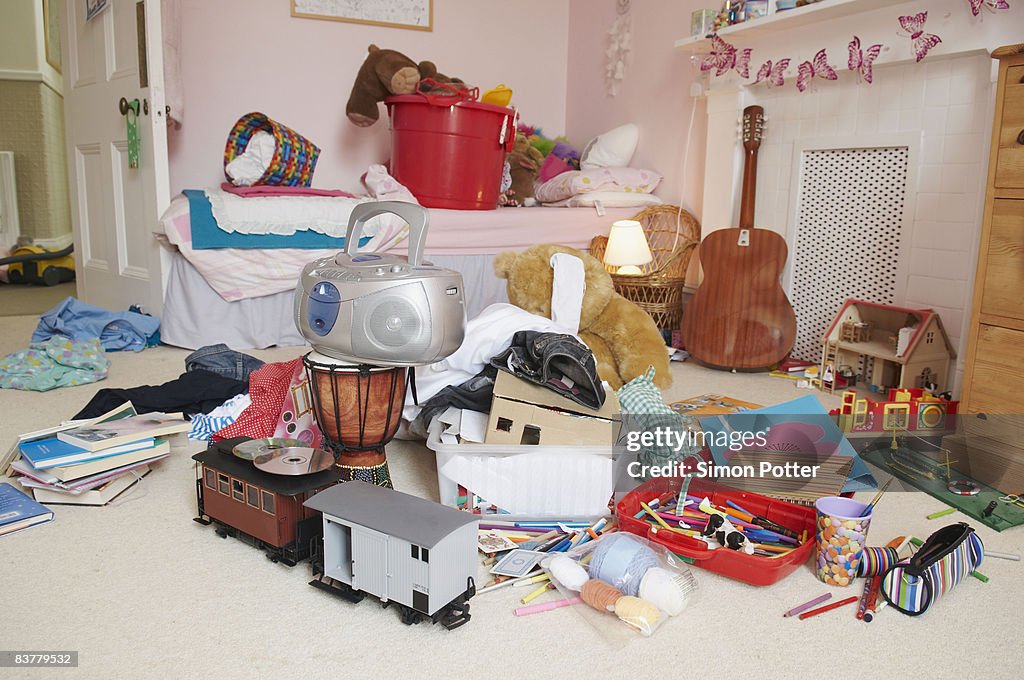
x,y
295,460
255,448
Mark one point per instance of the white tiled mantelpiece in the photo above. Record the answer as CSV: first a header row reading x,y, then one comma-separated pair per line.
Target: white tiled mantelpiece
x,y
942,107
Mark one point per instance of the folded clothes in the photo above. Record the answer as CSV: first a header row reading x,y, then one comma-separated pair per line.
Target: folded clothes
x,y
207,234
55,362
191,393
79,320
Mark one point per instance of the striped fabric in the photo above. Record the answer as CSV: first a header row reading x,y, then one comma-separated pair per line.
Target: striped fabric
x,y
913,590
875,561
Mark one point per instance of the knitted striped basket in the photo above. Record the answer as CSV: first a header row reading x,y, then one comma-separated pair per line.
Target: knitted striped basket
x,y
294,156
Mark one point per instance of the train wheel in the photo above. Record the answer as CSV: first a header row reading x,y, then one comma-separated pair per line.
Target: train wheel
x,y
222,532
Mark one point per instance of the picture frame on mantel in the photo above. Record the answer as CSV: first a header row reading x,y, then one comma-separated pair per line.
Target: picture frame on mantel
x,y
51,33
416,15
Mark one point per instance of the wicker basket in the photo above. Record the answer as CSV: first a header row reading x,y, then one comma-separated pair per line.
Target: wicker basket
x,y
672,234
294,155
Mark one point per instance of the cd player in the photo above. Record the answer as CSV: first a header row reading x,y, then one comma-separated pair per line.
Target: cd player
x,y
381,309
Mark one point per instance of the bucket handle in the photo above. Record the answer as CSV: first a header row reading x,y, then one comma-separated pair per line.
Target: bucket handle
x,y
416,216
459,93
507,136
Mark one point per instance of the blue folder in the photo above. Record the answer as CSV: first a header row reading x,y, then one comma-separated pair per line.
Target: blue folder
x,y
806,409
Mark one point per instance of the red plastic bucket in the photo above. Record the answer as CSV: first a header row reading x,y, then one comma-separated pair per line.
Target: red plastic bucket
x,y
450,152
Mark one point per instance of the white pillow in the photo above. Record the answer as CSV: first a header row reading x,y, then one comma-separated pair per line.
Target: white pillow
x,y
608,199
247,168
613,149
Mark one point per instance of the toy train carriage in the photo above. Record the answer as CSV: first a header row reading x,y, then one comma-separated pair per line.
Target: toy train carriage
x,y
904,409
258,507
404,550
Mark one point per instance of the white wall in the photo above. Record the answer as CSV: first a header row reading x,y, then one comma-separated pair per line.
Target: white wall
x,y
22,47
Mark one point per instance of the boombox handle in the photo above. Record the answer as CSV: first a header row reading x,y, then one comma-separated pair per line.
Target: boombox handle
x,y
417,218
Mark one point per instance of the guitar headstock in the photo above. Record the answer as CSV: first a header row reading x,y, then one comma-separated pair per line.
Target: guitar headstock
x,y
753,127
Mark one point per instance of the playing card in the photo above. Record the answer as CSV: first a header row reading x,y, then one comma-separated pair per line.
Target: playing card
x,y
517,563
491,542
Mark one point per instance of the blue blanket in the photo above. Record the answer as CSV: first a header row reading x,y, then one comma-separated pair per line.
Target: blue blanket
x,y
206,235
80,321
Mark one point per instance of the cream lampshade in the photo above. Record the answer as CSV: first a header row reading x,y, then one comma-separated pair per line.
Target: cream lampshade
x,y
627,248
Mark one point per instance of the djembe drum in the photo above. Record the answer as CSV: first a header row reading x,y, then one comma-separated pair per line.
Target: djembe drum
x,y
358,408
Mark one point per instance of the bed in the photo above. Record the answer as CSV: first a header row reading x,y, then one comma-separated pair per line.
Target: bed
x,y
244,297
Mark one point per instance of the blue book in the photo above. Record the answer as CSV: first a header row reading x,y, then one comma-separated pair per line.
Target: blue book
x,y
18,511
53,452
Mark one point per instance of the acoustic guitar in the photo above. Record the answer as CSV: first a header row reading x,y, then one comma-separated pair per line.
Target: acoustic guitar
x,y
740,318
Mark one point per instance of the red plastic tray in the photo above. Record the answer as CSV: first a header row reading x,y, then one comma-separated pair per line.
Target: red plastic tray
x,y
753,569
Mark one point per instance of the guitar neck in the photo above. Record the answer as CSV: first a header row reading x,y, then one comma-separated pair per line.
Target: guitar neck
x,y
749,190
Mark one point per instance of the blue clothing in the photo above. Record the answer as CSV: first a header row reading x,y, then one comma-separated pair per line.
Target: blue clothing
x,y
81,321
206,234
57,362
222,360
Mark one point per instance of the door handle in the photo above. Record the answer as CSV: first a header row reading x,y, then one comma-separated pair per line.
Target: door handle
x,y
1020,137
124,106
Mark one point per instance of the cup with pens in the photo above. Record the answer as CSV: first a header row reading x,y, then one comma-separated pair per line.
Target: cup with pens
x,y
841,532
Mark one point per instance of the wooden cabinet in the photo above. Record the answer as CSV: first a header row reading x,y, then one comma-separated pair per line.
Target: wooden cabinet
x,y
994,363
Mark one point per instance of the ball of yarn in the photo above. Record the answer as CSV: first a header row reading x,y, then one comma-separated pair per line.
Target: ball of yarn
x,y
622,560
600,595
639,613
667,590
568,572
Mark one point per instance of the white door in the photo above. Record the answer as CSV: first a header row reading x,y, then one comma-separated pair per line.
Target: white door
x,y
115,208
370,562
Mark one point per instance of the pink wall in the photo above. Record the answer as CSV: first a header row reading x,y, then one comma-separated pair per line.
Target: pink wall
x,y
240,56
655,93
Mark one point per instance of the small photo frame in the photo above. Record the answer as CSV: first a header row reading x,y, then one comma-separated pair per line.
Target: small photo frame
x,y
51,33
417,15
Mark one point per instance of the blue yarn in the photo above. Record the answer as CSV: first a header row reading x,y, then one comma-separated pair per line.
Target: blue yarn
x,y
621,561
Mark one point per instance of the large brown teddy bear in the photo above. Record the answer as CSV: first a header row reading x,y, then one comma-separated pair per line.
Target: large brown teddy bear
x,y
622,336
385,73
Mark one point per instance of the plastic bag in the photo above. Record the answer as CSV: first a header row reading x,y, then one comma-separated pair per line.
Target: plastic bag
x,y
622,578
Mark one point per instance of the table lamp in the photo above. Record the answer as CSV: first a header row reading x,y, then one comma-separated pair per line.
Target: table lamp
x,y
627,248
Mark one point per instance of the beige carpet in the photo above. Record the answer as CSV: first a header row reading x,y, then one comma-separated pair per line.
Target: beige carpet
x,y
142,591
22,300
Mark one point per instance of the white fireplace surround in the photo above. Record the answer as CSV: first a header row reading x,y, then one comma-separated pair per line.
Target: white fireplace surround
x,y
940,109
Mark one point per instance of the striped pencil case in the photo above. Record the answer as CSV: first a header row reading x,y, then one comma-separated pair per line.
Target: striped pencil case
x,y
943,561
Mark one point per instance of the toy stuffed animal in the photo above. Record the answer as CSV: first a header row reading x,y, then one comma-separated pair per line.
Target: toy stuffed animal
x,y
385,73
622,336
524,166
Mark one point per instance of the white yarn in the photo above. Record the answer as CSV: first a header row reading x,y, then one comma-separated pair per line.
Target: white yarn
x,y
667,590
568,572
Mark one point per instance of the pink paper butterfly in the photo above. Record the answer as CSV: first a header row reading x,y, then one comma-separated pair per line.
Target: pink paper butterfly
x,y
724,56
773,73
861,60
818,68
992,5
921,42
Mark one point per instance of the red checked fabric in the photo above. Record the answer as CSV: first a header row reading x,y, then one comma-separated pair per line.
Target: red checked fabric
x,y
280,406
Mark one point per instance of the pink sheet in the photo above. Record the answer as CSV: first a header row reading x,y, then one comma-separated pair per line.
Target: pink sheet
x,y
487,232
266,190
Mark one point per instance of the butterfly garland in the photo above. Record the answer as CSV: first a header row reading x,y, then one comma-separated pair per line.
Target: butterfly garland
x,y
773,73
920,41
818,68
861,61
991,5
724,57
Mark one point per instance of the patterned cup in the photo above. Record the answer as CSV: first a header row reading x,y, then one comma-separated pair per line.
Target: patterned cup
x,y
841,534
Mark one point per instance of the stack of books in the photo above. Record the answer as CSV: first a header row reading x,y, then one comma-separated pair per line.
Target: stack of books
x,y
92,462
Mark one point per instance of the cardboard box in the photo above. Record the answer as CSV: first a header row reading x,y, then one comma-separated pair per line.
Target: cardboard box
x,y
524,413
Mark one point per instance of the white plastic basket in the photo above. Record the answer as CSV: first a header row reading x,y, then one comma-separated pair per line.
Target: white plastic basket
x,y
531,482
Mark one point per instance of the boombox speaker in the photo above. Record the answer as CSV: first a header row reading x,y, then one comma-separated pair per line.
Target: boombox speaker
x,y
381,309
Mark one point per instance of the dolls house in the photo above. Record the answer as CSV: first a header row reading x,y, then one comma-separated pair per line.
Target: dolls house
x,y
882,346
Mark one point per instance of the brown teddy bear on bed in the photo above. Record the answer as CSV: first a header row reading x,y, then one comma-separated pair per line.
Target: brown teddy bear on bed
x,y
385,73
622,336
